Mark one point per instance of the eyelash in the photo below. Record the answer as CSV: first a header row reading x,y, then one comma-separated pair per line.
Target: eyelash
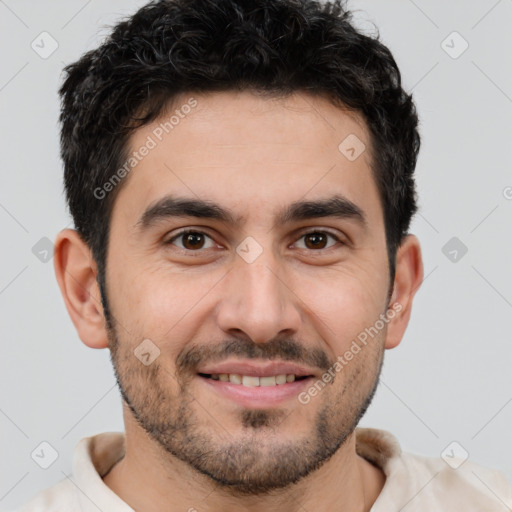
x,y
198,232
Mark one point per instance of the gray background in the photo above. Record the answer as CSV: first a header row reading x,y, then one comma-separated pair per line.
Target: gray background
x,y
449,380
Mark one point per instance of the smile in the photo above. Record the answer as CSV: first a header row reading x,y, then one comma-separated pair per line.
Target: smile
x,y
252,380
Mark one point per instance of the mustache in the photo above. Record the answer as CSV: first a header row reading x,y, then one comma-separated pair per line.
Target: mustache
x,y
190,358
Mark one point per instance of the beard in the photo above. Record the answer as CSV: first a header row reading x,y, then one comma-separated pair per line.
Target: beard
x,y
255,459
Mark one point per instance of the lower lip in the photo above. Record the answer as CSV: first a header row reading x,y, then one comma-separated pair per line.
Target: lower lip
x,y
258,396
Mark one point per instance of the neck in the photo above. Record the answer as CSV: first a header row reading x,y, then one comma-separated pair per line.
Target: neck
x,y
149,479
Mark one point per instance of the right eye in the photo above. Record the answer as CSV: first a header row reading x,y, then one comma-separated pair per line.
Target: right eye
x,y
191,240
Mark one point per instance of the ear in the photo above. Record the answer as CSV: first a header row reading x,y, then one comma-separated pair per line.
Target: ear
x,y
76,272
408,278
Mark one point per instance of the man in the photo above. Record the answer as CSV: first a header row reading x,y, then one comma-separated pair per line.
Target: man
x,y
240,176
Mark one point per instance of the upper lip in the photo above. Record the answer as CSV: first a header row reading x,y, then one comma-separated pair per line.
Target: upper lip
x,y
256,369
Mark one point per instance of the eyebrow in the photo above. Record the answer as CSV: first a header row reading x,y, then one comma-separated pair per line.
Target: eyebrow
x,y
336,206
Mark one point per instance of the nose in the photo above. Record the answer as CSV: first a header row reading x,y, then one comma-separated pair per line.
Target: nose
x,y
258,300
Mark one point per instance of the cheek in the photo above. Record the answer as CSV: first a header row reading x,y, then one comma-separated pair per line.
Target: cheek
x,y
344,308
167,305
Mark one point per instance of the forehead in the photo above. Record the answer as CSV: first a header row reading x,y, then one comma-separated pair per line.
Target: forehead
x,y
251,152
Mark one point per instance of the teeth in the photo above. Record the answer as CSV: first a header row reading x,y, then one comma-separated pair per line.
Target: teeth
x,y
281,379
267,381
252,381
235,379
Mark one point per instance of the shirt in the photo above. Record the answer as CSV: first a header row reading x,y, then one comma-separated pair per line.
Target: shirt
x,y
413,483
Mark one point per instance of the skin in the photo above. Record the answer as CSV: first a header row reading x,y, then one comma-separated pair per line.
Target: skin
x,y
252,155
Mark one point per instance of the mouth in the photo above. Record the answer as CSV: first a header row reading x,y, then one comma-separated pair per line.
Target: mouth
x,y
256,385
252,381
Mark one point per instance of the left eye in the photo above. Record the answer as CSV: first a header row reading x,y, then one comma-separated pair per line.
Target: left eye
x,y
318,240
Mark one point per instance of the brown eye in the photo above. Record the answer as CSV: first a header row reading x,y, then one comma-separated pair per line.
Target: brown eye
x,y
318,240
191,240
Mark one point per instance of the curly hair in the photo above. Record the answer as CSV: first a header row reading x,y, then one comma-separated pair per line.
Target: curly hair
x,y
169,47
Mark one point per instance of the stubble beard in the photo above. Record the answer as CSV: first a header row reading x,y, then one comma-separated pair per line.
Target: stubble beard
x,y
257,461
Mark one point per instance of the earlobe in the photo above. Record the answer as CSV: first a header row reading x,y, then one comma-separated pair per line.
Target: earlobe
x,y
75,270
408,278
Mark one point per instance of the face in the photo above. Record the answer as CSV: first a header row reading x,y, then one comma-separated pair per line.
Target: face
x,y
247,255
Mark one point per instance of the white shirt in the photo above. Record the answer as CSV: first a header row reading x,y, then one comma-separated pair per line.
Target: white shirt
x,y
413,483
